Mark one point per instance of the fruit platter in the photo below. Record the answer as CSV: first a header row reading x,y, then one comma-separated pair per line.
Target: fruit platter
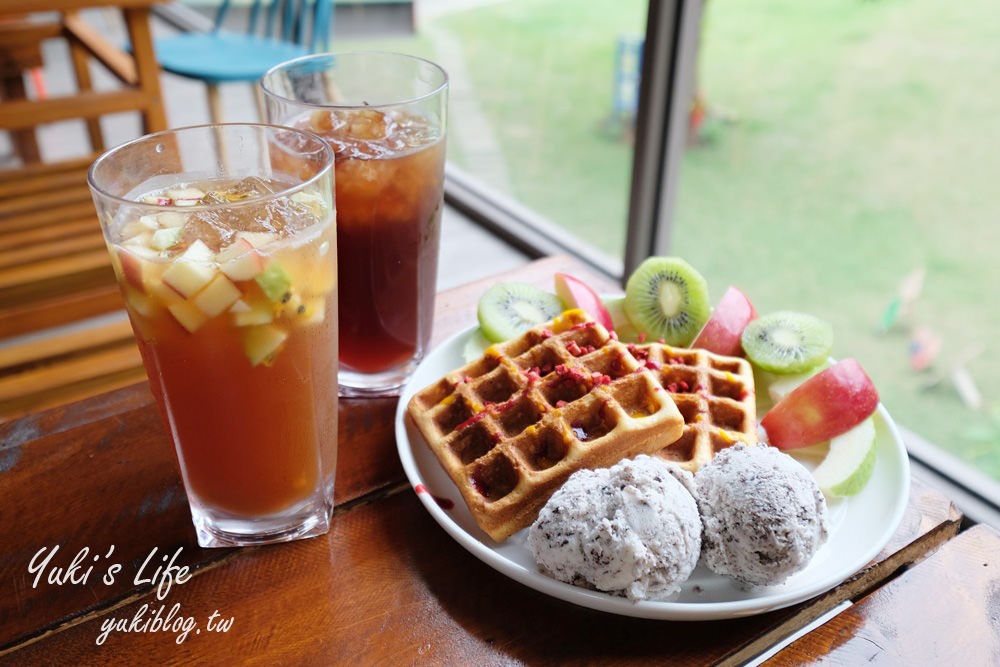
x,y
653,454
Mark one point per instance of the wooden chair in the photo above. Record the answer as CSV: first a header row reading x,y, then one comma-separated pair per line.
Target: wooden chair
x,y
63,332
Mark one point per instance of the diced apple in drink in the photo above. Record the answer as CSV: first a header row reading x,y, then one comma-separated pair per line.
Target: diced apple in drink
x,y
185,196
574,293
133,267
251,314
139,227
262,343
217,296
171,219
165,238
258,239
829,403
188,314
240,260
137,301
192,270
275,283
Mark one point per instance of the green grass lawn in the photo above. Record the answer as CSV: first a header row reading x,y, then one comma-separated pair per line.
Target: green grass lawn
x,y
857,146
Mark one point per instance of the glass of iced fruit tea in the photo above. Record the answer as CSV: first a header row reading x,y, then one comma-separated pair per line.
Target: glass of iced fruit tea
x,y
223,239
384,114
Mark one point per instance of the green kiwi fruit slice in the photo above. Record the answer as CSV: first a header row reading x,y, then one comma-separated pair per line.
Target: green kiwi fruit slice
x,y
508,309
666,298
787,342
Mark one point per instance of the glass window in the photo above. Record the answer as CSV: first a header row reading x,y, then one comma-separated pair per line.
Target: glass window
x,y
845,168
543,96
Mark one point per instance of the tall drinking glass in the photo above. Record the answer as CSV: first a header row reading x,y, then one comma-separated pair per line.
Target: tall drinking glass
x,y
223,239
384,114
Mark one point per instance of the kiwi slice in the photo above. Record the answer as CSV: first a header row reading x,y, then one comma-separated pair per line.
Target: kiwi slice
x,y
787,342
508,309
666,298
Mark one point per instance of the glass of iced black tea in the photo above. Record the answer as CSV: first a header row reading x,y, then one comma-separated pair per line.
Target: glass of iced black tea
x,y
384,115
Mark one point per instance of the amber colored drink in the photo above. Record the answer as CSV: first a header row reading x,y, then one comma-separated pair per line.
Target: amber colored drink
x,y
390,174
223,239
247,432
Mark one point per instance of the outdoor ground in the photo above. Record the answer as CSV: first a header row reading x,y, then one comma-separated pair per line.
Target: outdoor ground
x,y
849,146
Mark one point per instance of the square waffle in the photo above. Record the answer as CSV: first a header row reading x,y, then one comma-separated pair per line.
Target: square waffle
x,y
512,426
715,395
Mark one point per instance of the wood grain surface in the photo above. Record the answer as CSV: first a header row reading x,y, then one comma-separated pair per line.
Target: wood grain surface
x,y
943,611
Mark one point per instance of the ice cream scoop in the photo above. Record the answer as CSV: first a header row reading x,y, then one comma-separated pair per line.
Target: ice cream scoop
x,y
632,529
764,517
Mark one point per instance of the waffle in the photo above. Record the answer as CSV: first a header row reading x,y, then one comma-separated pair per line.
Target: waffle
x,y
715,395
512,426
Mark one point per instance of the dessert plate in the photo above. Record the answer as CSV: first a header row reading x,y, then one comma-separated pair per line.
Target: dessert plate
x,y
860,525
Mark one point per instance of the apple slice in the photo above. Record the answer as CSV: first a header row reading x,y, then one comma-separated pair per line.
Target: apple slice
x,y
623,327
133,267
721,333
779,386
849,464
138,302
192,270
188,314
250,314
165,238
240,260
258,239
217,296
574,293
275,283
171,218
829,403
261,343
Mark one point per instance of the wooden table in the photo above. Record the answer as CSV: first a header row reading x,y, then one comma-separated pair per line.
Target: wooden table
x,y
387,585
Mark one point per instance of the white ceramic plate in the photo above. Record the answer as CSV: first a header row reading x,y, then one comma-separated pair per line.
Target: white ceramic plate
x,y
860,526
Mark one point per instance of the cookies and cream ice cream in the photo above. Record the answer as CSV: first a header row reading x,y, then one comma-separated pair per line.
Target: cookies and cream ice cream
x,y
632,529
764,516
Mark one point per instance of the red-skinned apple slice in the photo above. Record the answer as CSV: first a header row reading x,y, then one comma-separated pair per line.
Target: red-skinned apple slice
x,y
574,293
829,403
721,334
240,260
192,270
132,268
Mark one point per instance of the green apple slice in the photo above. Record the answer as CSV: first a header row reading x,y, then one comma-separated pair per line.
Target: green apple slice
x,y
165,238
275,283
849,464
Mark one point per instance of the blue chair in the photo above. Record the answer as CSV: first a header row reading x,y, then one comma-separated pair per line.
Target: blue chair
x,y
277,30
